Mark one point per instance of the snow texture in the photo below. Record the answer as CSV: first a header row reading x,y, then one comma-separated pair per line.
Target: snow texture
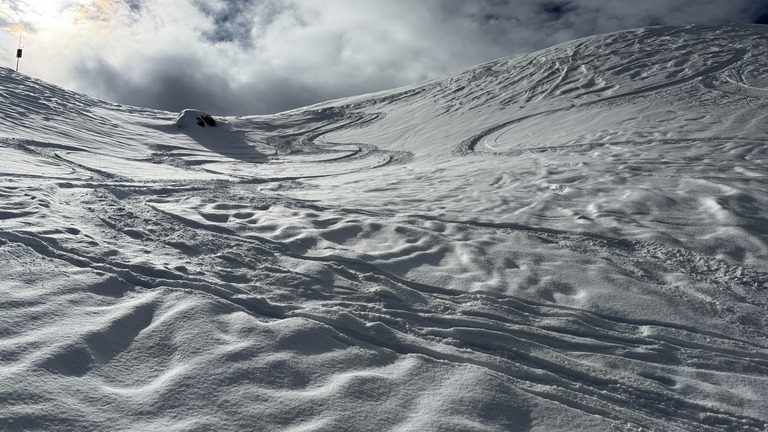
x,y
572,239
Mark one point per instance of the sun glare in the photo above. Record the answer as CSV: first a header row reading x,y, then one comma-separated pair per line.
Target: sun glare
x,y
38,14
46,15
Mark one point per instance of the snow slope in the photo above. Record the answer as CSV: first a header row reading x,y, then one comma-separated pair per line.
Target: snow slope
x,y
573,239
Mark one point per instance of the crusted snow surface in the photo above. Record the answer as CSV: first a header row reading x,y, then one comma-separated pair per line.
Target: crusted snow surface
x,y
572,239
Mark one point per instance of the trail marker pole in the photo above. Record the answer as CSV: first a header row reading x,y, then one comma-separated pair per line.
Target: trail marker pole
x,y
18,53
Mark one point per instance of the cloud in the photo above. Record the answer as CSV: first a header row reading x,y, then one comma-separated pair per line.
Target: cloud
x,y
262,56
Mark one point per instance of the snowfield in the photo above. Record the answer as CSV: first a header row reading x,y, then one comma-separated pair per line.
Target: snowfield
x,y
572,239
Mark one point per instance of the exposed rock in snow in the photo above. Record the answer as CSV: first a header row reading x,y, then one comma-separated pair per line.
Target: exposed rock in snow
x,y
190,117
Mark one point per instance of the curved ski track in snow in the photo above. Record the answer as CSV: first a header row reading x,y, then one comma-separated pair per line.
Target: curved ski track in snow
x,y
470,144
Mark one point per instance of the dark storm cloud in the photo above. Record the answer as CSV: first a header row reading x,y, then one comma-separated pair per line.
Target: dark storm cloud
x,y
178,83
762,15
134,5
555,10
239,21
262,56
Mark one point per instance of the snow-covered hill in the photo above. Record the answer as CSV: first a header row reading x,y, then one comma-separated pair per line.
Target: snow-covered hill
x,y
573,239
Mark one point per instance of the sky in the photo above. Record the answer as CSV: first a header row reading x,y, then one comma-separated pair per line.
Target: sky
x,y
241,57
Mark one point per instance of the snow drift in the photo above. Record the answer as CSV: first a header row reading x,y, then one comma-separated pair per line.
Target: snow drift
x,y
572,239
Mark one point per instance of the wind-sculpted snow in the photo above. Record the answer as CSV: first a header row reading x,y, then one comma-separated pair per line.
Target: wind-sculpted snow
x,y
574,239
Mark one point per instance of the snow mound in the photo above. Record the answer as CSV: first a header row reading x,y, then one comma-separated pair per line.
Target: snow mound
x,y
189,117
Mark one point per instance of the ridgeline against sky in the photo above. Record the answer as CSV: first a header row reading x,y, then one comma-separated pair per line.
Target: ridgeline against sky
x,y
252,57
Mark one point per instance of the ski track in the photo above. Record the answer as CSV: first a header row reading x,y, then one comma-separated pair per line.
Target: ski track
x,y
315,270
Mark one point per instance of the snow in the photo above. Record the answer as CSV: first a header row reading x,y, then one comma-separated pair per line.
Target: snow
x,y
572,239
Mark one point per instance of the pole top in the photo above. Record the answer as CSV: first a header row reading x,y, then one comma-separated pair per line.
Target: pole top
x,y
18,52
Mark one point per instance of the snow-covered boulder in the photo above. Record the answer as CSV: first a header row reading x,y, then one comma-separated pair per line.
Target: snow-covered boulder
x,y
189,117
